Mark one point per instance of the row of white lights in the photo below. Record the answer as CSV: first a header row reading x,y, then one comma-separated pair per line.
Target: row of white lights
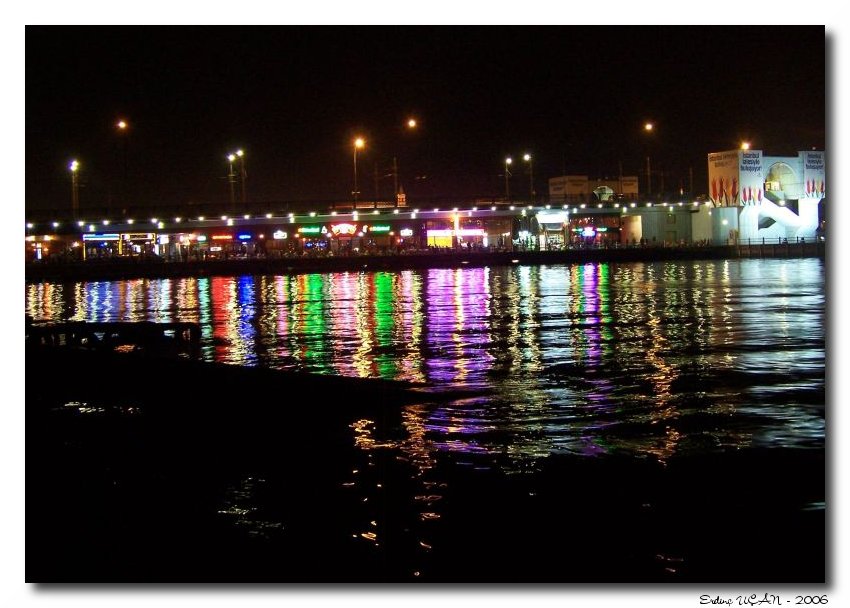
x,y
354,214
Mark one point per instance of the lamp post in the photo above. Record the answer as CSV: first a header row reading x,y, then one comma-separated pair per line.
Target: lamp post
x,y
75,188
411,125
231,179
508,162
123,127
648,127
359,143
242,174
527,158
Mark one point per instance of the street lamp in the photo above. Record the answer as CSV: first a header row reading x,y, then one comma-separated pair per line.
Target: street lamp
x,y
745,145
508,161
527,158
411,125
231,178
242,174
75,188
358,144
122,127
648,127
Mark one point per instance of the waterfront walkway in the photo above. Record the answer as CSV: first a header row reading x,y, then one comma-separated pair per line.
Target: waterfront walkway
x,y
129,268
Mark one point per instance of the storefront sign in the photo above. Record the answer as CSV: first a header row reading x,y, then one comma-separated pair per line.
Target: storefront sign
x,y
138,236
461,232
344,229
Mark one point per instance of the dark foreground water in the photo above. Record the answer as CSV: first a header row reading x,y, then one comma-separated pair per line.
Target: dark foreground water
x,y
637,422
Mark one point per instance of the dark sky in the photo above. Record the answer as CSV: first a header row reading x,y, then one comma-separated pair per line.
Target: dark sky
x,y
294,98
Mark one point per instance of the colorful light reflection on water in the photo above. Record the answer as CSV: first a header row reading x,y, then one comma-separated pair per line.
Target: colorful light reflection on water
x,y
582,359
651,361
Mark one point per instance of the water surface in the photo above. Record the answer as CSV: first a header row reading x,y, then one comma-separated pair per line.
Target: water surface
x,y
676,373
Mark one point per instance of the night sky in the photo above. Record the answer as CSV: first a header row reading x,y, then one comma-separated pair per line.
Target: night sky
x,y
576,98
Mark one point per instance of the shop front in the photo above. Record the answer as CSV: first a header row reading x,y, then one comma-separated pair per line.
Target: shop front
x,y
594,230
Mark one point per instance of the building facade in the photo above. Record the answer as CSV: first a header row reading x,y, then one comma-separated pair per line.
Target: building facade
x,y
567,188
762,198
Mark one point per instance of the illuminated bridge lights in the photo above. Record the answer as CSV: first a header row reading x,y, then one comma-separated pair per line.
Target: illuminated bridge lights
x,y
298,218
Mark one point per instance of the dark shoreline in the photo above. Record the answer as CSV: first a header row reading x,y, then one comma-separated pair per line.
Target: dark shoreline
x,y
130,268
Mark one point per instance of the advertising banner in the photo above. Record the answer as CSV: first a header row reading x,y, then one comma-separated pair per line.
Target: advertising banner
x,y
723,170
814,174
736,177
751,177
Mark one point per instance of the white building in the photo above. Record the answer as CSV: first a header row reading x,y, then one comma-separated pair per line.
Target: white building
x,y
758,197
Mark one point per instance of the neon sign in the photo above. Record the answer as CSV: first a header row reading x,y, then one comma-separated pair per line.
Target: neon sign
x,y
279,234
244,237
441,233
310,230
406,232
344,229
461,232
100,237
222,237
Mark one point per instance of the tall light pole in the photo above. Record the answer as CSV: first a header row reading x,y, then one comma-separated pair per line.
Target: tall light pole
x,y
231,177
75,188
359,143
508,162
527,158
411,125
123,127
242,174
648,127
